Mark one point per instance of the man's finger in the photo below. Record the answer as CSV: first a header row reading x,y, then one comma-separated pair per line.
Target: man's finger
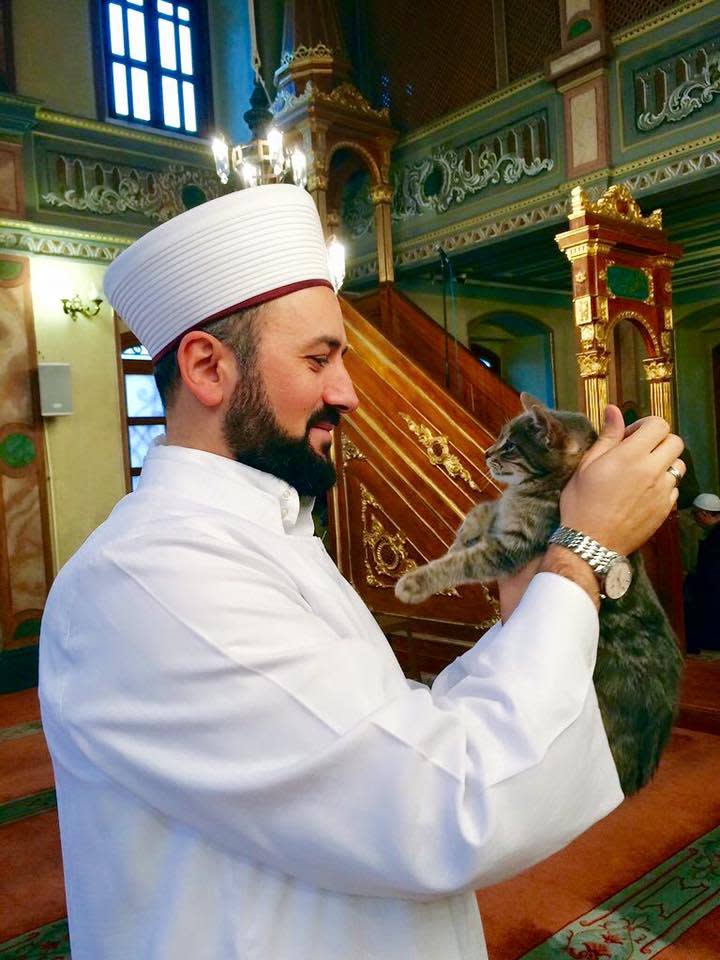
x,y
611,434
667,452
646,433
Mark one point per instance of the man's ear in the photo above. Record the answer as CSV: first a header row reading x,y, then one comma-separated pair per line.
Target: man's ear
x,y
208,368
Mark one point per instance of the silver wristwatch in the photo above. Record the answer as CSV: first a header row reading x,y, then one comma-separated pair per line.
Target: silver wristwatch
x,y
613,571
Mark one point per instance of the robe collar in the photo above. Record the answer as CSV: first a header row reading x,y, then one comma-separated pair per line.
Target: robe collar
x,y
216,481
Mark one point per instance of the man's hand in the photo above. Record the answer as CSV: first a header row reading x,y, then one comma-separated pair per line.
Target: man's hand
x,y
622,491
619,496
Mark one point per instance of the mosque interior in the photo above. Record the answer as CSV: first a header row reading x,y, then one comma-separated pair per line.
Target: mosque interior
x,y
528,197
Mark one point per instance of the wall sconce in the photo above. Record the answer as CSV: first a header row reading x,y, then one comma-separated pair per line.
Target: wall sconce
x,y
74,306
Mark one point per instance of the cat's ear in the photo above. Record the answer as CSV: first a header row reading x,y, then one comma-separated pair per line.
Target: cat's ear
x,y
548,426
528,401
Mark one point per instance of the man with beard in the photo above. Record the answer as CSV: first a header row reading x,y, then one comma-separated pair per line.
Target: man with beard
x,y
242,771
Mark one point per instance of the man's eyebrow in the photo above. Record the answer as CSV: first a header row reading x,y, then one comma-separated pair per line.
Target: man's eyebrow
x,y
329,341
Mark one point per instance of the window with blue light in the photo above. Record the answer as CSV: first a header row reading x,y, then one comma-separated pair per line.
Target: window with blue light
x,y
156,63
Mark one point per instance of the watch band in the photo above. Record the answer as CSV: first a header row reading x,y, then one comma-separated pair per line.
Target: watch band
x,y
590,550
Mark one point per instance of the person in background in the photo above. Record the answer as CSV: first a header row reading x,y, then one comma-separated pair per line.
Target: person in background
x,y
702,585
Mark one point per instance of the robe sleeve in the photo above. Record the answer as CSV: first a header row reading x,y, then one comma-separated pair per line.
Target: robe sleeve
x,y
202,682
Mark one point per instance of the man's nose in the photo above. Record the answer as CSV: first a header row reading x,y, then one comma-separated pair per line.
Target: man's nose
x,y
339,391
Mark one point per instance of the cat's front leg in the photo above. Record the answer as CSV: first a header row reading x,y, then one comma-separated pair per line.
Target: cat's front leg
x,y
475,525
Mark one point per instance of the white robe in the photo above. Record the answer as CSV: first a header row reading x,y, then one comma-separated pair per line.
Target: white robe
x,y
243,772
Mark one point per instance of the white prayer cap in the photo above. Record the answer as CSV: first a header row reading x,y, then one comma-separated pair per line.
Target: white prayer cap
x,y
243,249
707,501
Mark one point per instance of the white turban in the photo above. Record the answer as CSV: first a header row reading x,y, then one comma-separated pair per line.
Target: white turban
x,y
238,251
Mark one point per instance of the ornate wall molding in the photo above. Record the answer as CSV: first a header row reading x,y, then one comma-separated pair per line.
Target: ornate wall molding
x,y
18,235
450,175
110,130
108,189
677,87
551,206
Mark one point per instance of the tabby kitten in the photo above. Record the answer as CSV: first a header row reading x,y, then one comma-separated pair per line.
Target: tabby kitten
x,y
637,673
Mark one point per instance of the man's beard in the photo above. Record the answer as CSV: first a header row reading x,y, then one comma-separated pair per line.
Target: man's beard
x,y
256,439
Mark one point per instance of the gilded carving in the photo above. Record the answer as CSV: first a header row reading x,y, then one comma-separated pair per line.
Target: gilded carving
x,y
437,448
658,368
350,450
385,554
593,363
345,95
603,313
320,51
382,193
317,181
582,309
668,318
644,323
580,276
617,203
666,342
650,298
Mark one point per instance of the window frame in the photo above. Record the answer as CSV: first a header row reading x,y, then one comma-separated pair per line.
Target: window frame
x,y
201,77
124,340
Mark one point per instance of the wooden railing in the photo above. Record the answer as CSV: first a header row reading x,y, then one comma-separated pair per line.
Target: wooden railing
x,y
422,340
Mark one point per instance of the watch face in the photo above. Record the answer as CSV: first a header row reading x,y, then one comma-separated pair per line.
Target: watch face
x,y
618,579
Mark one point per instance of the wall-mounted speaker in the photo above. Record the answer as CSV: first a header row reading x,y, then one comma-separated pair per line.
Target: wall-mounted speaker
x,y
55,389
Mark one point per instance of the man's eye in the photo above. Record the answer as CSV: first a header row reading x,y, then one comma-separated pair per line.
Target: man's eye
x,y
321,361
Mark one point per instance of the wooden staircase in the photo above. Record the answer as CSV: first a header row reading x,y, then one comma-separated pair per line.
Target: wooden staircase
x,y
411,463
488,398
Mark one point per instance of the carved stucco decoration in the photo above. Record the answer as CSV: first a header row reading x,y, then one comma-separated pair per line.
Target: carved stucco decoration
x,y
385,554
679,86
156,195
617,204
465,171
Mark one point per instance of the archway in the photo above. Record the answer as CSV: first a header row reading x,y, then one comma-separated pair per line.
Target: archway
x,y
523,346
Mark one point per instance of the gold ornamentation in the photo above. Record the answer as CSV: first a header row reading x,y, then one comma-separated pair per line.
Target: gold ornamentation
x,y
580,276
658,368
350,450
617,203
602,311
385,553
641,321
321,51
593,363
345,95
382,193
587,334
583,314
668,287
317,181
650,298
437,448
112,130
666,342
668,316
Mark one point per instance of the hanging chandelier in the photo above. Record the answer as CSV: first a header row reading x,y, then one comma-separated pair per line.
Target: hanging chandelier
x,y
265,159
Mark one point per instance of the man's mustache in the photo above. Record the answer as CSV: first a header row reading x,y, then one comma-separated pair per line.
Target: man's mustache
x,y
325,415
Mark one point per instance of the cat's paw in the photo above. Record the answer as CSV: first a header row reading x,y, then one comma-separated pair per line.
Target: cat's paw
x,y
413,587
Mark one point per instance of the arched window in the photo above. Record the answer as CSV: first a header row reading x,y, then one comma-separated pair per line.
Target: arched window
x,y
155,63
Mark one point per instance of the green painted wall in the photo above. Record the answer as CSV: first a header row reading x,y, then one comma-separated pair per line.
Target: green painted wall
x,y
53,54
527,358
697,331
